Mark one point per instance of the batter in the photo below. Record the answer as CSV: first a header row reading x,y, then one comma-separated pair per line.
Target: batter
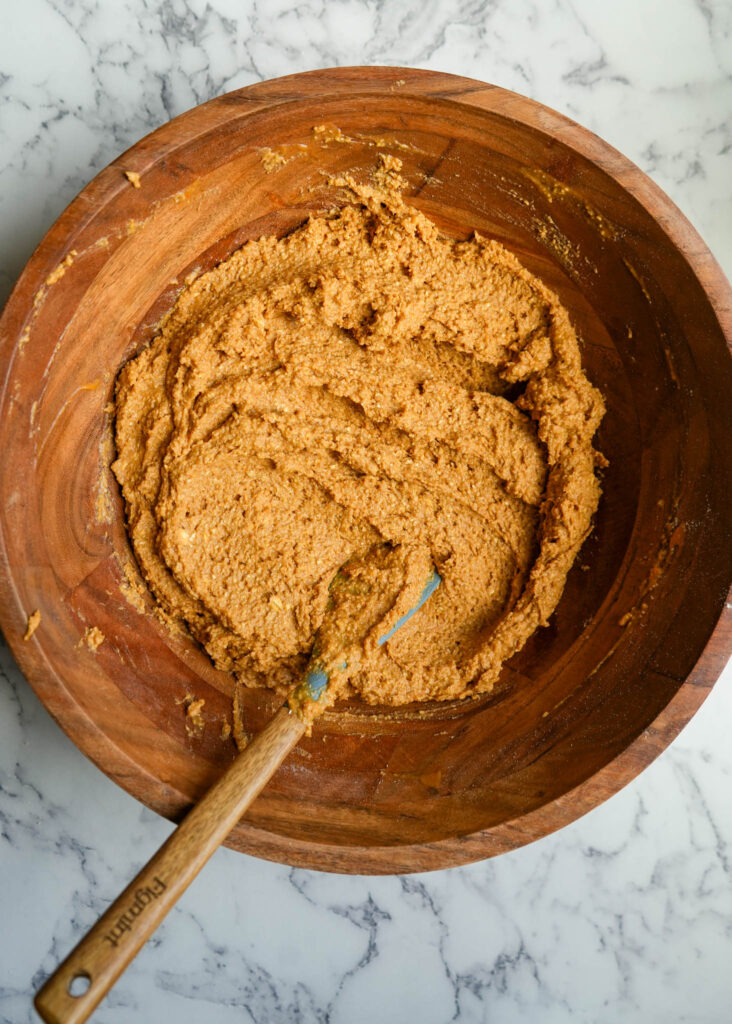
x,y
363,381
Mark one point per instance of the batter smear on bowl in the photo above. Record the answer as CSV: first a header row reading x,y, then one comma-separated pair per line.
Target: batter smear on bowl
x,y
363,380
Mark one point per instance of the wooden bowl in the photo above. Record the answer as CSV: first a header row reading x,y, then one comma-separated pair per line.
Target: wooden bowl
x,y
637,640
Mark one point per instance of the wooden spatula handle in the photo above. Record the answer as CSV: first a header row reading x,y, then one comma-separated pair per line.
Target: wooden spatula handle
x,y
106,950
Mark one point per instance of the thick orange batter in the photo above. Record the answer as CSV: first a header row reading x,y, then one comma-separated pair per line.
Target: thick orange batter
x,y
362,380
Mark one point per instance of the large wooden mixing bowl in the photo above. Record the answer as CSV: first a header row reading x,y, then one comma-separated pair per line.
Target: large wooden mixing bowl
x,y
636,642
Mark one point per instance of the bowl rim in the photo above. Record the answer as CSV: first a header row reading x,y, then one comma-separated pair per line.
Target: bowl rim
x,y
47,683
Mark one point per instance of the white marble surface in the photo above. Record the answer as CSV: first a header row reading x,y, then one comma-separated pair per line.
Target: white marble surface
x,y
625,915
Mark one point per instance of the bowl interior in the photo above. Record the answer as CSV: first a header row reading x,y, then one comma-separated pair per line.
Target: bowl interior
x,y
639,604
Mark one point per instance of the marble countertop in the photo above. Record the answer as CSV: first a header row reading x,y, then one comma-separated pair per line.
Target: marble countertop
x,y
627,914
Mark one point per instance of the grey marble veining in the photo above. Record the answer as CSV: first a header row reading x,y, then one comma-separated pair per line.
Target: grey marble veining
x,y
627,914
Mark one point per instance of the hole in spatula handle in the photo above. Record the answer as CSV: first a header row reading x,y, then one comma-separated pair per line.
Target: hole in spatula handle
x,y
79,984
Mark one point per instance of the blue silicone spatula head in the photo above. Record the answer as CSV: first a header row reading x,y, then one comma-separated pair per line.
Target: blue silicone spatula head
x,y
317,677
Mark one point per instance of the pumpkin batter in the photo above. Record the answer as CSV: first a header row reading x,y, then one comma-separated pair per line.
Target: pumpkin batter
x,y
362,381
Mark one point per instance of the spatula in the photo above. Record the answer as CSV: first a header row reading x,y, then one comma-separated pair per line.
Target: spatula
x,y
356,607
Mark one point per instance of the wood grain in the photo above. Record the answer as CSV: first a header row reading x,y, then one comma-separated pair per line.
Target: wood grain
x,y
637,640
119,934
